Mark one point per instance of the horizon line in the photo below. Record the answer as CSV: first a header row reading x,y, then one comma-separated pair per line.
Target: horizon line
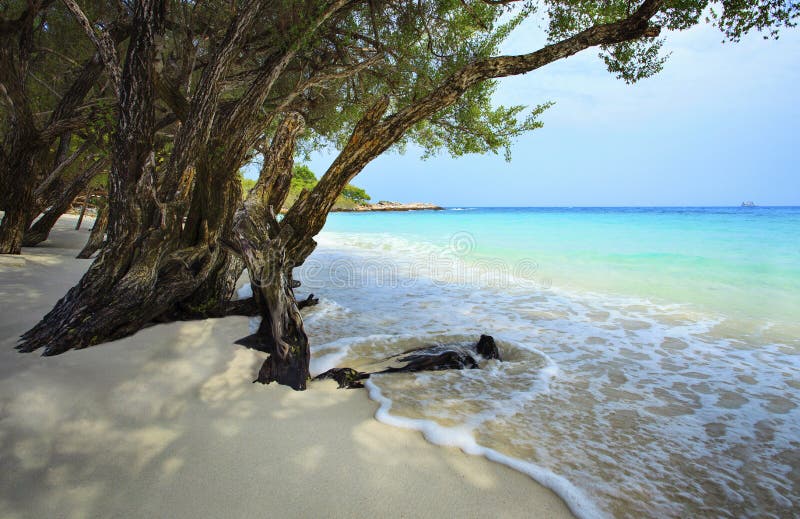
x,y
614,206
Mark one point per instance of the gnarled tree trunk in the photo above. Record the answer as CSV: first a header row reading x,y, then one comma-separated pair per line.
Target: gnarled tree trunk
x,y
261,241
215,198
121,290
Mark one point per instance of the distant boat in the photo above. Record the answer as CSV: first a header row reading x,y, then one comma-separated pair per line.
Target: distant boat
x,y
748,204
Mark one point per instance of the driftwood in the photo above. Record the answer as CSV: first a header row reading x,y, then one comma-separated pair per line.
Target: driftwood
x,y
309,301
428,358
487,347
347,378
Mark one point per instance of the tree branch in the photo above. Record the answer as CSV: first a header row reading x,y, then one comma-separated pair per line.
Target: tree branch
x,y
260,87
275,176
102,41
320,80
198,122
40,190
373,134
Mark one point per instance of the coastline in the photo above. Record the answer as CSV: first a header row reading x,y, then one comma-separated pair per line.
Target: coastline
x,y
167,423
638,415
388,206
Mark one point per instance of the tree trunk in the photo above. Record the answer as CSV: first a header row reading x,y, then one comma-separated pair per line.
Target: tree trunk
x,y
213,297
98,234
262,241
289,359
39,231
85,204
281,332
16,219
18,161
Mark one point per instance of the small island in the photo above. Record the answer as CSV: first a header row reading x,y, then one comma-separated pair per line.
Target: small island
x,y
353,199
383,205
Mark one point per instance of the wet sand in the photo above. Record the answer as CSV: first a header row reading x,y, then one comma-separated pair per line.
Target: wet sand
x,y
167,424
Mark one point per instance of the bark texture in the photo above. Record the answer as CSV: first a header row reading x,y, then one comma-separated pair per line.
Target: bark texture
x,y
98,235
18,165
261,241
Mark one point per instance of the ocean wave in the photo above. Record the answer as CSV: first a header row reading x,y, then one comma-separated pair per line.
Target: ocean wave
x,y
519,359
649,407
462,437
654,408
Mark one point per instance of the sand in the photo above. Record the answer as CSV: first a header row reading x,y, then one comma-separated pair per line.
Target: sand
x,y
167,424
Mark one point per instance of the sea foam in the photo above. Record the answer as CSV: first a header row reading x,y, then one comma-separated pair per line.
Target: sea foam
x,y
662,405
462,438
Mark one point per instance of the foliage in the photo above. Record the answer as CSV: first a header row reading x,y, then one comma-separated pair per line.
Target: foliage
x,y
247,183
404,50
304,178
355,194
634,60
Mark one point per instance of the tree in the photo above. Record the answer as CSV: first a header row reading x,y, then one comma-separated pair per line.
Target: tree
x,y
247,183
275,77
46,80
355,194
303,177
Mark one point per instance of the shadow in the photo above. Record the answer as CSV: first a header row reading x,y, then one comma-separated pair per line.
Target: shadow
x,y
167,423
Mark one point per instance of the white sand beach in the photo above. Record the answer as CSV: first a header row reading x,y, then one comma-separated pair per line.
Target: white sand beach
x,y
168,424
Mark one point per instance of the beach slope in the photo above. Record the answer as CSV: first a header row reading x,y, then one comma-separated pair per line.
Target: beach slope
x,y
167,424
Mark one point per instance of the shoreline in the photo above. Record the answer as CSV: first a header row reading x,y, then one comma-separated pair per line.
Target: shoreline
x,y
389,206
167,423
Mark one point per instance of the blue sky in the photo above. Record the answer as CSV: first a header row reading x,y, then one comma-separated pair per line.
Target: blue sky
x,y
718,126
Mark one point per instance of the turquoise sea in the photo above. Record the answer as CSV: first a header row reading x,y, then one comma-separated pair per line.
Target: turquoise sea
x,y
652,355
